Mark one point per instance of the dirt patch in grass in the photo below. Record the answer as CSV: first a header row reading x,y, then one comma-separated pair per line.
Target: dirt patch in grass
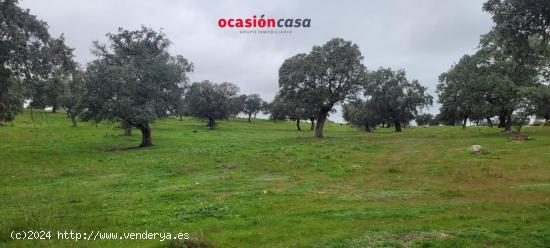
x,y
520,137
119,149
226,167
189,169
272,178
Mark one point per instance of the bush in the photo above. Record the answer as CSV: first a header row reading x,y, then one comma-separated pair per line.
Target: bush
x,y
537,123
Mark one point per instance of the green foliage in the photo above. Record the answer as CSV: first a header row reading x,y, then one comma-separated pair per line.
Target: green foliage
x,y
56,65
424,119
11,103
395,99
72,95
134,79
22,38
253,104
294,100
521,29
526,106
361,114
313,83
212,101
460,92
181,108
485,84
541,97
236,104
514,57
279,109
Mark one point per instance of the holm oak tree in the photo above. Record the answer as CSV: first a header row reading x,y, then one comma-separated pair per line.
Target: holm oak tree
x,y
134,79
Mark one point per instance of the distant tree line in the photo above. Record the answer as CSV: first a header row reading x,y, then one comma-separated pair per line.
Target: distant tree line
x,y
311,84
134,80
392,100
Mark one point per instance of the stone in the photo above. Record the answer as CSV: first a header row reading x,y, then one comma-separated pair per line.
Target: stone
x,y
478,149
475,148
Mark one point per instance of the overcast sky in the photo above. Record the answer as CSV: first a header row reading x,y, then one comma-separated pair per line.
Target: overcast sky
x,y
423,37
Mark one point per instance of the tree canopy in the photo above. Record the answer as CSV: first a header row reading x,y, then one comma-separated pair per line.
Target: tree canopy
x,y
361,114
424,119
395,99
212,101
542,102
485,84
72,95
134,79
460,90
24,42
252,105
57,67
522,29
327,75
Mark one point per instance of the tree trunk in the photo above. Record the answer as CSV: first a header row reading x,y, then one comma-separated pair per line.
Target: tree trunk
x,y
464,121
249,115
489,122
181,117
145,135
127,128
321,118
73,120
508,126
502,120
519,127
397,126
211,123
312,124
298,125
127,131
367,127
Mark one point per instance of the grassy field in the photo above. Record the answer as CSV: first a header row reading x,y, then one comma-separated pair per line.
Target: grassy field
x,y
263,184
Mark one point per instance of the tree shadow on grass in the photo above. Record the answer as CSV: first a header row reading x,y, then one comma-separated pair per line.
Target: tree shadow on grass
x,y
121,149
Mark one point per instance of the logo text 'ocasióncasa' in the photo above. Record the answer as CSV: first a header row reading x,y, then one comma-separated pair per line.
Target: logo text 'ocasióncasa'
x,y
262,22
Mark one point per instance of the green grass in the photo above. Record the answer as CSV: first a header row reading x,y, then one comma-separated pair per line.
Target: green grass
x,y
263,184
